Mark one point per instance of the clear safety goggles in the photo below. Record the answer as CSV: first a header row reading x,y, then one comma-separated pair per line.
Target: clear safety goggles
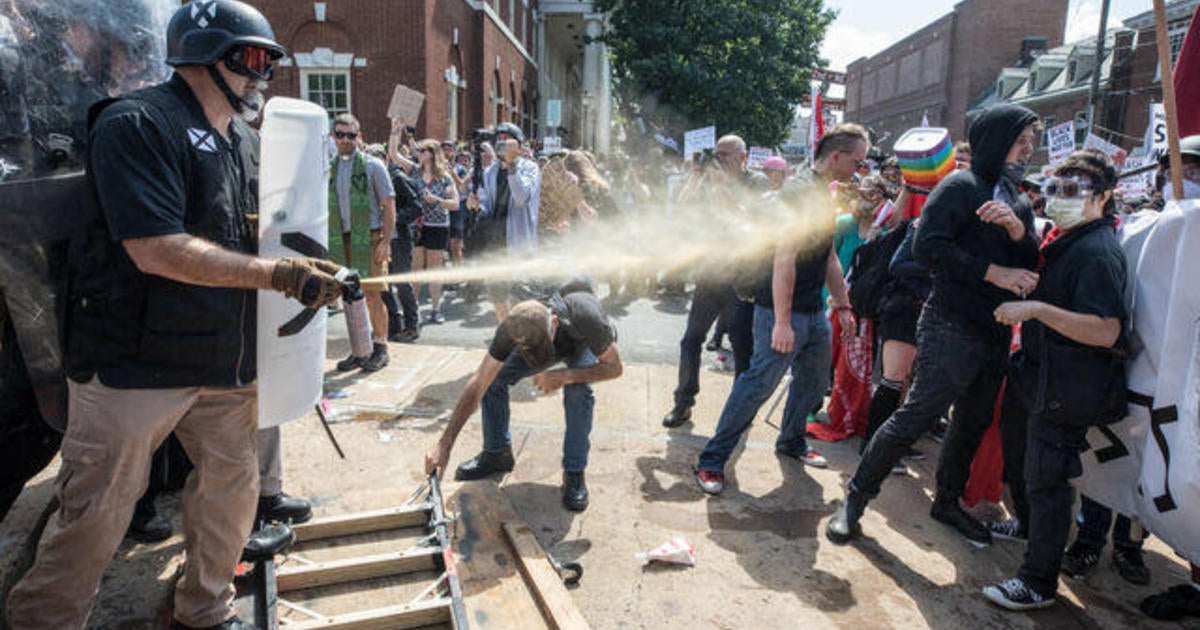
x,y
1067,187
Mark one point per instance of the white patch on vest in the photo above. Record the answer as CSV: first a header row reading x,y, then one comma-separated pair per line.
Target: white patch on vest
x,y
203,12
202,140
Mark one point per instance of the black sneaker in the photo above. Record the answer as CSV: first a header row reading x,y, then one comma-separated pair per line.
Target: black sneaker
x,y
1009,529
952,514
1014,594
938,432
1130,565
349,363
677,416
1079,560
1182,600
378,359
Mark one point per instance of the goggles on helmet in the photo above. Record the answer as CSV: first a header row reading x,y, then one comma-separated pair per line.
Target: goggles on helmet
x,y
1067,187
250,61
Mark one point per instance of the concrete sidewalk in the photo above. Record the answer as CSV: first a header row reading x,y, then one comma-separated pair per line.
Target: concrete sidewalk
x,y
762,559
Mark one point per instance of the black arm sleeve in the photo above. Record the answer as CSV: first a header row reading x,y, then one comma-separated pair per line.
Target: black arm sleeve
x,y
1027,247
946,215
138,175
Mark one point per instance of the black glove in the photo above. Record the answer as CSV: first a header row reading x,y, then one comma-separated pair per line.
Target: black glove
x,y
311,281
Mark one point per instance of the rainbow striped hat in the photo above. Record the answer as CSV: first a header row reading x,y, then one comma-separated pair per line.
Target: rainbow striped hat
x,y
926,155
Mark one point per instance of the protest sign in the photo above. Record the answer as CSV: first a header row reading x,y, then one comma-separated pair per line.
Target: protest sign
x,y
1137,185
1060,141
406,104
1156,131
1114,152
551,144
758,155
699,140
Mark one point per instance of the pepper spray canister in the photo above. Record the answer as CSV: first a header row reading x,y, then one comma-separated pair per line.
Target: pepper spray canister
x,y
358,323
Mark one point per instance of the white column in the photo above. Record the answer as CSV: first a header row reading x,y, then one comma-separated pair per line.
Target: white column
x,y
542,75
593,62
604,106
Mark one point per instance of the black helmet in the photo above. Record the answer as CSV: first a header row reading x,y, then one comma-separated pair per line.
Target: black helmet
x,y
511,130
202,31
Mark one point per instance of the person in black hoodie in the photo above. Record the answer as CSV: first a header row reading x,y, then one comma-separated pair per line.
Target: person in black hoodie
x,y
977,239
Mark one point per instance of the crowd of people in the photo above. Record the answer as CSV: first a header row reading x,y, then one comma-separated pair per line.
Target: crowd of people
x,y
997,298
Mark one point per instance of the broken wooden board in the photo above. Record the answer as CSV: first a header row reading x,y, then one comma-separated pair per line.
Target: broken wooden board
x,y
495,592
546,585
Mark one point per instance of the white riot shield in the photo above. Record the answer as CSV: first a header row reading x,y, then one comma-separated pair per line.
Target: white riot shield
x,y
293,218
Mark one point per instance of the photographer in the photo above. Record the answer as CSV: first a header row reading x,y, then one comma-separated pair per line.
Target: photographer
x,y
507,202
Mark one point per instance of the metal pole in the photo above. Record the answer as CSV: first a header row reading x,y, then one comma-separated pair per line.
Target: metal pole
x,y
1094,93
1168,90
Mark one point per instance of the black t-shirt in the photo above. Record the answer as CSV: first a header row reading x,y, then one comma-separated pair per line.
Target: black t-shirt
x,y
582,323
814,252
1084,272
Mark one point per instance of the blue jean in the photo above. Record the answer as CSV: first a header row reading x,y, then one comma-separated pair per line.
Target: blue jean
x,y
809,361
578,403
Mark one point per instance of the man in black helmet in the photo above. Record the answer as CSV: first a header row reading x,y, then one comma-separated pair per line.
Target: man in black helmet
x,y
160,324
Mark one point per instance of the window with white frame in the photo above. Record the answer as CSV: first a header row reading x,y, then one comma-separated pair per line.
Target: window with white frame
x,y
329,88
1175,40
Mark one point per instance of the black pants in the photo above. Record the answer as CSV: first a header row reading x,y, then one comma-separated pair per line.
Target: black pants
x,y
1014,435
708,303
1095,521
27,443
953,366
1051,461
402,252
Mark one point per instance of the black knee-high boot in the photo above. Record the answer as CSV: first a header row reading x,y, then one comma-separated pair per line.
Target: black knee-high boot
x,y
884,402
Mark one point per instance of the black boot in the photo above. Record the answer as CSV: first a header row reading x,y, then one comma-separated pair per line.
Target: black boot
x,y
574,491
884,403
843,525
678,415
267,542
283,509
148,525
485,464
378,359
349,363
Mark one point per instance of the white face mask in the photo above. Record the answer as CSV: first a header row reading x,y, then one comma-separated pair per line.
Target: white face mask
x,y
1065,213
1191,190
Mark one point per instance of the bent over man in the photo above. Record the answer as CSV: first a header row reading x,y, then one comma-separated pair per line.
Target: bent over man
x,y
536,335
161,323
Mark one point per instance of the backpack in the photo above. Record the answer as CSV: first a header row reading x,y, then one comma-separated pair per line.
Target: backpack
x,y
408,196
869,278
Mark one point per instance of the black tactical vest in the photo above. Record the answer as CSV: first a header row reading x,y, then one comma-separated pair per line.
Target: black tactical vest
x,y
136,330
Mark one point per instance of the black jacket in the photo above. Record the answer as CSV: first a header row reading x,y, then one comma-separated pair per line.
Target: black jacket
x,y
958,247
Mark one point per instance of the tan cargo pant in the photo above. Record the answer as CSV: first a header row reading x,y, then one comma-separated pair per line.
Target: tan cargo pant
x,y
106,458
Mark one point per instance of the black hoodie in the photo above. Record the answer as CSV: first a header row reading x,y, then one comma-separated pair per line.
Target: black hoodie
x,y
957,246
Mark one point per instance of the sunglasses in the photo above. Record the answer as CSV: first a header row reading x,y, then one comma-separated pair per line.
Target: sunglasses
x,y
250,61
345,135
1067,187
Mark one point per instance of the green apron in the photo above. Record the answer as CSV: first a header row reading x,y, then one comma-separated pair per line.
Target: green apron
x,y
354,253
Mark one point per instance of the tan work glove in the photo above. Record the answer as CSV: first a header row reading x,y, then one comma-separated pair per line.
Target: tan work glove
x,y
310,281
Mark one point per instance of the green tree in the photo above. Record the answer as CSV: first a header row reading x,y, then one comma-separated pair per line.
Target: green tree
x,y
741,65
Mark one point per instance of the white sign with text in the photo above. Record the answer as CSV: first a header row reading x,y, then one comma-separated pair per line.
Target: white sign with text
x,y
699,140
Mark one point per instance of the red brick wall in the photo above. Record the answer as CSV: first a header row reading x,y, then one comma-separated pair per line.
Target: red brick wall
x,y
987,37
409,42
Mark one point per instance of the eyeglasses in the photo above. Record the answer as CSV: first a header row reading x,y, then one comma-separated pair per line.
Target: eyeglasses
x,y
1067,187
250,61
345,135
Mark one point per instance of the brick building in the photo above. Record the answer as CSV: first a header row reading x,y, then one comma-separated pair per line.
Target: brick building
x,y
1057,84
939,71
474,61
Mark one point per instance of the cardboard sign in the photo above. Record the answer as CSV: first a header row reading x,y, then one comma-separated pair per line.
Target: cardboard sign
x,y
1137,185
757,156
1060,141
551,144
1114,152
699,140
406,104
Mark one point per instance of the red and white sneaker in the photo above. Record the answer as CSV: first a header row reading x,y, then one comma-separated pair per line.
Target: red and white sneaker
x,y
813,458
711,481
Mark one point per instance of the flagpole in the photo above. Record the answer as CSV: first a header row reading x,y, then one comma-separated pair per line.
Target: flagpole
x,y
1168,90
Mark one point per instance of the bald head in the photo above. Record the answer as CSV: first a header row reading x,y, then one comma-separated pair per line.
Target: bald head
x,y
731,153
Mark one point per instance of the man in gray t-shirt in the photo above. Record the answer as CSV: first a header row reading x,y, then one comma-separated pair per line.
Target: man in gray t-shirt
x,y
378,180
